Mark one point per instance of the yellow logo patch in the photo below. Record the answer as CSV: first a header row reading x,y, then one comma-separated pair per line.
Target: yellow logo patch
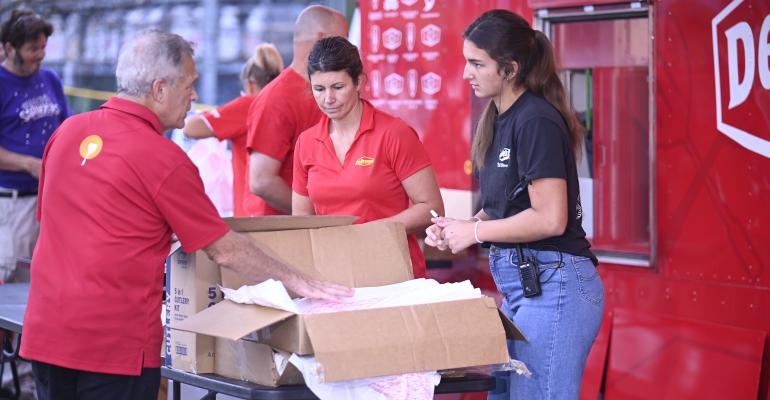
x,y
90,147
365,161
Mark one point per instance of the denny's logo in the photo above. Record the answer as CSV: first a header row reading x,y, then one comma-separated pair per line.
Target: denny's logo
x,y
742,73
365,161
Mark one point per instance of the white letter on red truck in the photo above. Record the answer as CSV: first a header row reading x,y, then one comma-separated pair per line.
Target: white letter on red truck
x,y
739,88
763,56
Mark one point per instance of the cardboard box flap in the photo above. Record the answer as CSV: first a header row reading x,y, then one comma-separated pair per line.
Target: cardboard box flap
x,y
230,320
339,254
425,337
286,222
511,330
373,254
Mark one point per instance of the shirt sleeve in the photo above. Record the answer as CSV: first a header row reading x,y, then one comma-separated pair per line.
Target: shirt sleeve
x,y
270,128
229,121
299,176
540,148
406,153
184,204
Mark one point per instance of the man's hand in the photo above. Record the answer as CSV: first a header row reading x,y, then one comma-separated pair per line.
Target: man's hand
x,y
315,289
12,161
243,255
33,166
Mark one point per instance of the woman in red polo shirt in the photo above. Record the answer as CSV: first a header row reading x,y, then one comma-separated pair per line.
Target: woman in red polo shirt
x,y
359,160
229,121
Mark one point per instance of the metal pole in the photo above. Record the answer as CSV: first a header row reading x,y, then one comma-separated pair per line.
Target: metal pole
x,y
210,70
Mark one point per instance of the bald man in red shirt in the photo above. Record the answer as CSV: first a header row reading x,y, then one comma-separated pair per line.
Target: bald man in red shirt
x,y
112,192
281,112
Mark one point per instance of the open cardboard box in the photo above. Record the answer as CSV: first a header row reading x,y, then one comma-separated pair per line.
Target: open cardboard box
x,y
376,342
365,343
314,244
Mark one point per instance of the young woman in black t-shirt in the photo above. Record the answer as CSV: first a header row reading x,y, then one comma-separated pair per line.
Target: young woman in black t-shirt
x,y
524,155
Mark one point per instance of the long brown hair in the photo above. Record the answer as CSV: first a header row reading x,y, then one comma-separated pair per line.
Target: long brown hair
x,y
507,37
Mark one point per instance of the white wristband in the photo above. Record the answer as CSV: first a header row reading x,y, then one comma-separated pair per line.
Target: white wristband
x,y
476,231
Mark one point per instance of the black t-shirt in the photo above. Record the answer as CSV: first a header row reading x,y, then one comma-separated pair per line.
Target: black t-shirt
x,y
531,141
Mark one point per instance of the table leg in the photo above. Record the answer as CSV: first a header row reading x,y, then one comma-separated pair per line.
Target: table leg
x,y
177,390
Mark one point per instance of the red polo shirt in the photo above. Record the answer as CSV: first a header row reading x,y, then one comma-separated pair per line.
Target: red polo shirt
x,y
385,151
282,110
106,216
229,122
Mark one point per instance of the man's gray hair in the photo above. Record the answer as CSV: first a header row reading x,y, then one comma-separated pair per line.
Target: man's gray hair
x,y
150,56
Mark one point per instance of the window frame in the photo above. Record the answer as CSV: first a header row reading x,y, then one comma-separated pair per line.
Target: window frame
x,y
544,20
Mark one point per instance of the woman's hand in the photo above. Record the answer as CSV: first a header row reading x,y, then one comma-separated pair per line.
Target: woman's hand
x,y
434,235
456,234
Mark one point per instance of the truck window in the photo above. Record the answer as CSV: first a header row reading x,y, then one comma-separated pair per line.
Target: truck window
x,y
604,62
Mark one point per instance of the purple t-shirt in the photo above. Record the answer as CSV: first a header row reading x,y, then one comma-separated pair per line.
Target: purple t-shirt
x,y
31,108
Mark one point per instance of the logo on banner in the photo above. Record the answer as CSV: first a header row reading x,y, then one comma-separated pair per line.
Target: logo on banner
x,y
410,36
390,5
374,37
430,35
411,82
430,83
391,38
754,51
375,82
394,84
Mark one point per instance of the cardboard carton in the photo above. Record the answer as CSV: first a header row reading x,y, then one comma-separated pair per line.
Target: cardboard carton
x,y
253,362
320,246
376,342
191,285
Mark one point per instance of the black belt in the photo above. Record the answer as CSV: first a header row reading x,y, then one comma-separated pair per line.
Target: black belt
x,y
18,193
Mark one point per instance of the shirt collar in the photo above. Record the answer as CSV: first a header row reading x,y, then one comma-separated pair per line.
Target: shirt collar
x,y
138,110
366,124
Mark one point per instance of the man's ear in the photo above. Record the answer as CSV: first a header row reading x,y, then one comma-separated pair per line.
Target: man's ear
x,y
159,90
7,47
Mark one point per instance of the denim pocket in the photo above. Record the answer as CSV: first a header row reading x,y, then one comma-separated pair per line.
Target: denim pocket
x,y
589,281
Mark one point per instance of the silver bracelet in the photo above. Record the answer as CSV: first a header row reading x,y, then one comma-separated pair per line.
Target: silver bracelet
x,y
476,231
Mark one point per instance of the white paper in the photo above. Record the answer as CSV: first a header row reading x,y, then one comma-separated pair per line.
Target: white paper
x,y
269,293
272,293
409,386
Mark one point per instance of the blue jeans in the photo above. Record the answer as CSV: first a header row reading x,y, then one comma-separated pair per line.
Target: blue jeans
x,y
560,324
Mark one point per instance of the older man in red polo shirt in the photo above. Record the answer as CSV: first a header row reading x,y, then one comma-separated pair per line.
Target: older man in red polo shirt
x,y
112,191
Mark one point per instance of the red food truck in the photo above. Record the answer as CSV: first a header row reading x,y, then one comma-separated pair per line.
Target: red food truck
x,y
675,173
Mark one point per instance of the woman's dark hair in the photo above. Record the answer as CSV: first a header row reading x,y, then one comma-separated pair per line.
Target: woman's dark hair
x,y
24,26
507,37
333,54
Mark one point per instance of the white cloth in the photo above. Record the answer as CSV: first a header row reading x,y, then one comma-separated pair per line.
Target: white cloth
x,y
18,233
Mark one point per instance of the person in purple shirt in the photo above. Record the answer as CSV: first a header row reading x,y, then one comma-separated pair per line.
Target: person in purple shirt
x,y
32,105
